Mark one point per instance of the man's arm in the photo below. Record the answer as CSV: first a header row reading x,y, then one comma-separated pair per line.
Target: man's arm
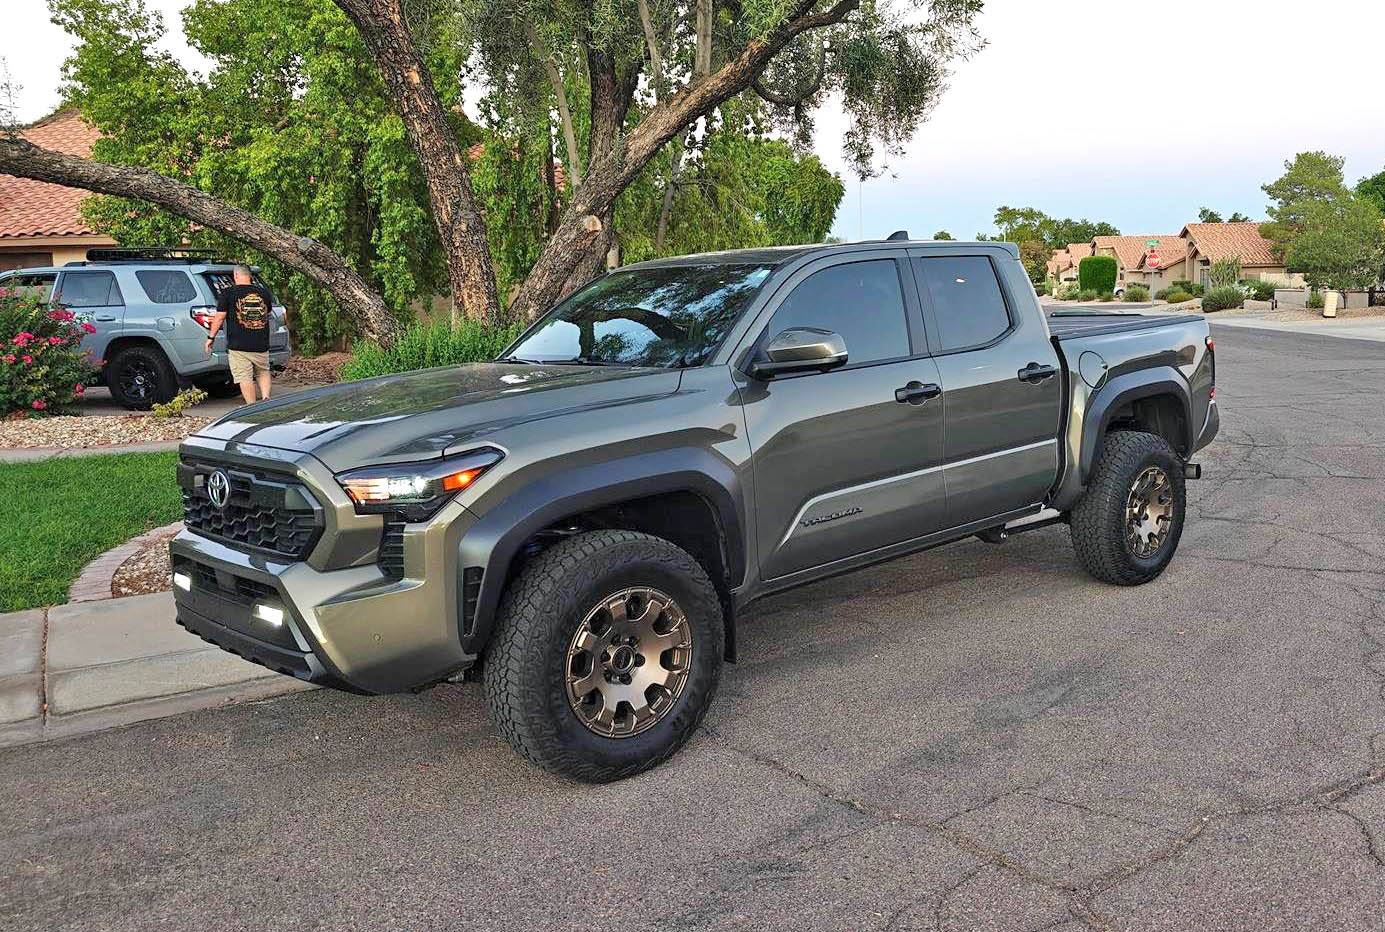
x,y
217,320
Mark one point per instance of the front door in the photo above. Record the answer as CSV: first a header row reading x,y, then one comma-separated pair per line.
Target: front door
x,y
1002,383
94,296
846,461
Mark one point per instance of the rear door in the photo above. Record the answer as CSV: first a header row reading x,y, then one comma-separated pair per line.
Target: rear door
x,y
842,466
94,295
1001,381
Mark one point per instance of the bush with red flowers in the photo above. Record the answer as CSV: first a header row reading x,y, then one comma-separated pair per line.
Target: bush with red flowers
x,y
43,367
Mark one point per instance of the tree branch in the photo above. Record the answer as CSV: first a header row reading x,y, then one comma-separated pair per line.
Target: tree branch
x,y
651,40
455,212
758,85
301,253
555,78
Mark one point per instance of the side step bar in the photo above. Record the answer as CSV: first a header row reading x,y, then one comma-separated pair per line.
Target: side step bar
x,y
1044,518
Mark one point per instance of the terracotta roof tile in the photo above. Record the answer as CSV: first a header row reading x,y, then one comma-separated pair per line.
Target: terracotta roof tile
x,y
1171,250
1130,250
1079,251
36,208
1216,241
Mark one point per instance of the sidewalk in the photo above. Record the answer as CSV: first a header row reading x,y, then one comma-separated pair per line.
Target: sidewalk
x,y
1368,329
92,665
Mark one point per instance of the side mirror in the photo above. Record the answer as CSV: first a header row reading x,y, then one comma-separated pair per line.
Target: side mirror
x,y
800,349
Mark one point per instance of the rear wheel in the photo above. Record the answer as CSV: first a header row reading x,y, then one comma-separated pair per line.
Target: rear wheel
x,y
606,655
140,376
1127,526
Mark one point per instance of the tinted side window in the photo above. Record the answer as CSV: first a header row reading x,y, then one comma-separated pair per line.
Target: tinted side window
x,y
966,300
89,289
862,301
166,286
40,286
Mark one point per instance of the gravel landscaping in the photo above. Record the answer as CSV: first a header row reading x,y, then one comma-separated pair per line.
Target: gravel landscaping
x,y
145,572
72,432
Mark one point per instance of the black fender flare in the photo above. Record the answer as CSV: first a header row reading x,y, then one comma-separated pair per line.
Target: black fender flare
x,y
1114,394
493,542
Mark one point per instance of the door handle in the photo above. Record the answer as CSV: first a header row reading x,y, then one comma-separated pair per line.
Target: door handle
x,y
916,393
105,317
1037,373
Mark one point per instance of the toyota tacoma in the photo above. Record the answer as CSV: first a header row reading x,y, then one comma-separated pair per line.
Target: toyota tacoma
x,y
578,523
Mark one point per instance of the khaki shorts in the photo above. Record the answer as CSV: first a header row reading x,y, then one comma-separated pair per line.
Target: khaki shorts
x,y
246,365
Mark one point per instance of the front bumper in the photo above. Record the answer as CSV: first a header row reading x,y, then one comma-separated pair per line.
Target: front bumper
x,y
346,622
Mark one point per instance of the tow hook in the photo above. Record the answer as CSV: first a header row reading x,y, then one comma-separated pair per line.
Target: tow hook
x,y
1192,470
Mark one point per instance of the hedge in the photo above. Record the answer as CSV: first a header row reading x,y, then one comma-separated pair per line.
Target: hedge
x,y
1097,273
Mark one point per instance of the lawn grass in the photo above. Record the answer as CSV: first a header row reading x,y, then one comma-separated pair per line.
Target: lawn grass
x,y
57,515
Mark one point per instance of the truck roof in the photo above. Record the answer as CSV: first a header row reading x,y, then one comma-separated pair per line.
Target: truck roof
x,y
778,255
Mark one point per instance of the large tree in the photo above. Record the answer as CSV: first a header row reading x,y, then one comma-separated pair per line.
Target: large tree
x,y
650,74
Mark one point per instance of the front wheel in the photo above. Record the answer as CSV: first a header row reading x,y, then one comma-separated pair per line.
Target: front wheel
x,y
606,655
139,377
1127,525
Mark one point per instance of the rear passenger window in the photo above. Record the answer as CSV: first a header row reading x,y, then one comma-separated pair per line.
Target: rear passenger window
x,y
861,301
35,286
166,286
89,289
966,299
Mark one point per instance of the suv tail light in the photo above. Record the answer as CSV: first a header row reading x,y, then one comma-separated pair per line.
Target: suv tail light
x,y
203,315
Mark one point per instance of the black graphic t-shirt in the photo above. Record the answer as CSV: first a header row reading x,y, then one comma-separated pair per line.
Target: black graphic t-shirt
x,y
249,310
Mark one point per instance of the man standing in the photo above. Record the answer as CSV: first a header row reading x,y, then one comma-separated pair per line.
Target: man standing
x,y
247,310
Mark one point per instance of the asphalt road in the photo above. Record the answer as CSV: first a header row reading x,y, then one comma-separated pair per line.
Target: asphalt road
x,y
976,738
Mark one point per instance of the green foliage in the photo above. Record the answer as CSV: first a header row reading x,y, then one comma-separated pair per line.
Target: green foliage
x,y
1224,273
1208,215
1173,295
1043,287
1223,298
942,236
1372,188
43,367
1136,291
424,345
57,515
187,398
1097,273
1341,245
1316,301
1088,294
1034,255
1067,292
1309,178
1260,289
1238,217
1192,288
1018,224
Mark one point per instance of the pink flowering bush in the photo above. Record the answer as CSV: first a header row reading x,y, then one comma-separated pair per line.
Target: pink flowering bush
x,y
43,367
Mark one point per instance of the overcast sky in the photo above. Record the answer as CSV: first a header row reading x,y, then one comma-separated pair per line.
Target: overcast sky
x,y
1134,113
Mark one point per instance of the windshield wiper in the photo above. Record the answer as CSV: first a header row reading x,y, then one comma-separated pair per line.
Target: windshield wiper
x,y
527,362
591,361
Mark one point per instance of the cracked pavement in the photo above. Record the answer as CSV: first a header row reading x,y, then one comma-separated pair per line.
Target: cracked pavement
x,y
973,738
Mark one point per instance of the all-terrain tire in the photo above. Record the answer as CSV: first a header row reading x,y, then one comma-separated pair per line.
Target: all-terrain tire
x,y
526,662
1099,521
140,376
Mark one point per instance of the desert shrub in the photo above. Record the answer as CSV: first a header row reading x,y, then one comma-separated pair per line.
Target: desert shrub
x,y
1176,296
187,398
1067,292
1316,300
1224,273
43,367
1260,289
1106,296
1088,294
1042,287
422,346
1223,298
1097,273
1192,288
1136,291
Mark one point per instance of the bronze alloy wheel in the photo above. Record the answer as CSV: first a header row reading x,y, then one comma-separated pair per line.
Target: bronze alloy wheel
x,y
1149,512
628,662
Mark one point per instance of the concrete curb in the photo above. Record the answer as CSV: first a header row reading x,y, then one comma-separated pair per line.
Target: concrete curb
x,y
34,454
89,666
97,577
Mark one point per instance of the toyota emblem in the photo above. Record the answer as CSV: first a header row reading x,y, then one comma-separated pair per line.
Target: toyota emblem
x,y
219,488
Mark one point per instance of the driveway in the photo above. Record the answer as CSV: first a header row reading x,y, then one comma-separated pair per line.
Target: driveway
x,y
975,738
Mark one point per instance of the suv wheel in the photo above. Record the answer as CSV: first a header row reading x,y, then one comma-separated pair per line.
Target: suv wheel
x,y
139,376
606,655
1126,527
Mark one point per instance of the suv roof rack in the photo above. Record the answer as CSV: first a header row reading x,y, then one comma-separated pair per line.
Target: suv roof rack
x,y
151,254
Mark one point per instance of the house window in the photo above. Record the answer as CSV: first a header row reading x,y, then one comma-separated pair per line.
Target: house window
x,y
25,260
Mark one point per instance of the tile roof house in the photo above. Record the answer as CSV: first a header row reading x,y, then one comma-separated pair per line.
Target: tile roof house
x,y
1211,242
41,223
1130,253
1068,260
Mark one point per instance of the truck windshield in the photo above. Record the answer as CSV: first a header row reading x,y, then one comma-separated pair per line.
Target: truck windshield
x,y
671,316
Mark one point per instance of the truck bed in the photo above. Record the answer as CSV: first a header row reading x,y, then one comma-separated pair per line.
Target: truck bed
x,y
1067,325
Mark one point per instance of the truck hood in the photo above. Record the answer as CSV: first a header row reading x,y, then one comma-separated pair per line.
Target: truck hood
x,y
431,412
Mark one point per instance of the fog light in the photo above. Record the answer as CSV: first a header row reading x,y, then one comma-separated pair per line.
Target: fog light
x,y
269,613
183,581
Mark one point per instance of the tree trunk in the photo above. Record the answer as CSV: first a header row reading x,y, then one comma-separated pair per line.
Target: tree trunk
x,y
555,78
301,253
458,219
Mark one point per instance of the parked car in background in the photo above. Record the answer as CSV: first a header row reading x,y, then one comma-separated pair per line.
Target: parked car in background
x,y
152,309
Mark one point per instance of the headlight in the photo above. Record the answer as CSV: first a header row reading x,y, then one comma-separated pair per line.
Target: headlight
x,y
417,490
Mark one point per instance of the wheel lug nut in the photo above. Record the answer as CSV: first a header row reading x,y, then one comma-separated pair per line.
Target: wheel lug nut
x,y
625,678
605,656
639,660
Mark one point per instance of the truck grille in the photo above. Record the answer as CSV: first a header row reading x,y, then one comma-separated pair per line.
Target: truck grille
x,y
392,547
263,511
